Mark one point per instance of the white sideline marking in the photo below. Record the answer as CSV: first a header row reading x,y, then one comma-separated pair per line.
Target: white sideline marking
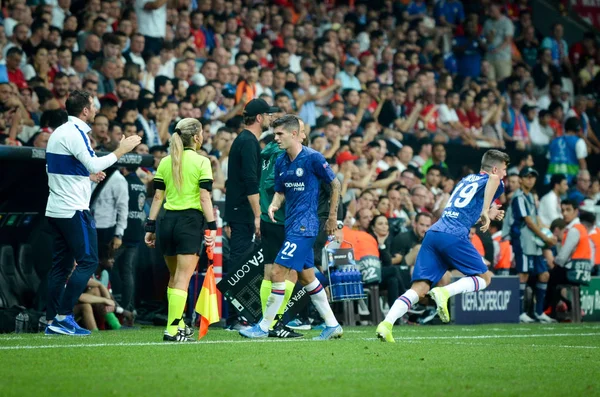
x,y
218,342
532,345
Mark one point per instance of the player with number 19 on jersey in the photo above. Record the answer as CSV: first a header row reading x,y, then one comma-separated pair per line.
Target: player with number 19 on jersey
x,y
446,245
297,175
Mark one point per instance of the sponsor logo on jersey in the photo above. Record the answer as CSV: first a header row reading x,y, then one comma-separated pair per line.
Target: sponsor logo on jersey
x,y
296,186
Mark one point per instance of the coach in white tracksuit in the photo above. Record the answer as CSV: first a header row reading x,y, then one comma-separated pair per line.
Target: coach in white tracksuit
x,y
70,160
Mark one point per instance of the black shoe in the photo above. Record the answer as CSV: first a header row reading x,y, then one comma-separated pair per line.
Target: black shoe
x,y
178,337
281,331
188,332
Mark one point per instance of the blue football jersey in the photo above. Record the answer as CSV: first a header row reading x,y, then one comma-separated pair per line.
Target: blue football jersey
x,y
465,205
299,181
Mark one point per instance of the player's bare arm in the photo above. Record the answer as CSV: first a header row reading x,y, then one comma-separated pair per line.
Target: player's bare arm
x,y
490,189
331,224
278,199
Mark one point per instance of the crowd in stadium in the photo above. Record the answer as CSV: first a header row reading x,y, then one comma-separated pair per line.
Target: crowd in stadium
x,y
385,89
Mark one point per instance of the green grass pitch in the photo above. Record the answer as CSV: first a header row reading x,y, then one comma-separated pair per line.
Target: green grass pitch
x,y
496,360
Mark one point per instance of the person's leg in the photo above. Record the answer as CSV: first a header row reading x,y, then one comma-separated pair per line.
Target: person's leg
x,y
179,290
126,272
391,280
318,296
62,266
279,274
240,246
543,276
87,316
82,242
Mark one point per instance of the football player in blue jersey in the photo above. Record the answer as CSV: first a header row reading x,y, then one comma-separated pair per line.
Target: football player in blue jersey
x,y
298,172
446,245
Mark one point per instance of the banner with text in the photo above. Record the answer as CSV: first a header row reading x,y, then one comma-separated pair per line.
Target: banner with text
x,y
498,303
590,300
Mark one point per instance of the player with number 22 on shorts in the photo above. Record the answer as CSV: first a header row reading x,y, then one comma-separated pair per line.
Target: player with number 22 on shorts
x,y
298,172
447,246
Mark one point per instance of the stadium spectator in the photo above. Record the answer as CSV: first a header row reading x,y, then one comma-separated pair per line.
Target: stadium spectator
x,y
580,191
549,209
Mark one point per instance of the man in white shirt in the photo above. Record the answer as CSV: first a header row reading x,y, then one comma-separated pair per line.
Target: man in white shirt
x,y
448,117
70,160
152,22
549,208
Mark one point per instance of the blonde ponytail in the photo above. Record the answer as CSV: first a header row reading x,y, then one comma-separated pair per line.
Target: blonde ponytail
x,y
183,137
176,146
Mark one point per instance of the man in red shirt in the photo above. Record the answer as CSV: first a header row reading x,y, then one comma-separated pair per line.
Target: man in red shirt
x,y
13,61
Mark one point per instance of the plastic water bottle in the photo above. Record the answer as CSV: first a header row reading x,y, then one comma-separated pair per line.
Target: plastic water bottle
x,y
21,323
335,285
356,285
361,286
347,280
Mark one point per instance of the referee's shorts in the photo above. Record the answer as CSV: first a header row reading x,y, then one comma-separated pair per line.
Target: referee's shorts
x,y
272,236
181,232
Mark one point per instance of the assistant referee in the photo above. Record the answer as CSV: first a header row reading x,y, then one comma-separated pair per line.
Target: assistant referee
x,y
186,178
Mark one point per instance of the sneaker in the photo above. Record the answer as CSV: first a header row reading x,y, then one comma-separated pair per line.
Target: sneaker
x,y
330,333
318,327
417,309
48,331
544,318
254,332
440,295
281,331
299,325
178,337
238,326
187,331
384,332
68,326
525,319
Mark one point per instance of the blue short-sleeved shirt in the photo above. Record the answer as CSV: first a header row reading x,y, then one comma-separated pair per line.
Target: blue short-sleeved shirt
x,y
299,181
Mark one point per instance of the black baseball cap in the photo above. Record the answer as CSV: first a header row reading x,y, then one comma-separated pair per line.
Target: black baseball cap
x,y
528,171
259,106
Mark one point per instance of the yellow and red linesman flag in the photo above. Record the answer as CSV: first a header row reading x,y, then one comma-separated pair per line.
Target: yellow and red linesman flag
x,y
207,305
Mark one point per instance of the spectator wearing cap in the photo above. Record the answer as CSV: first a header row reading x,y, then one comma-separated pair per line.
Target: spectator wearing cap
x,y
347,76
499,32
567,153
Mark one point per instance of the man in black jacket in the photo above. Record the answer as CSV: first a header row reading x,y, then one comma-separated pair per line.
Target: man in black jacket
x,y
242,207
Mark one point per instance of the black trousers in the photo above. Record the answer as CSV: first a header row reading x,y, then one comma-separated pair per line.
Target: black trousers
x,y
558,276
75,240
153,44
241,245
